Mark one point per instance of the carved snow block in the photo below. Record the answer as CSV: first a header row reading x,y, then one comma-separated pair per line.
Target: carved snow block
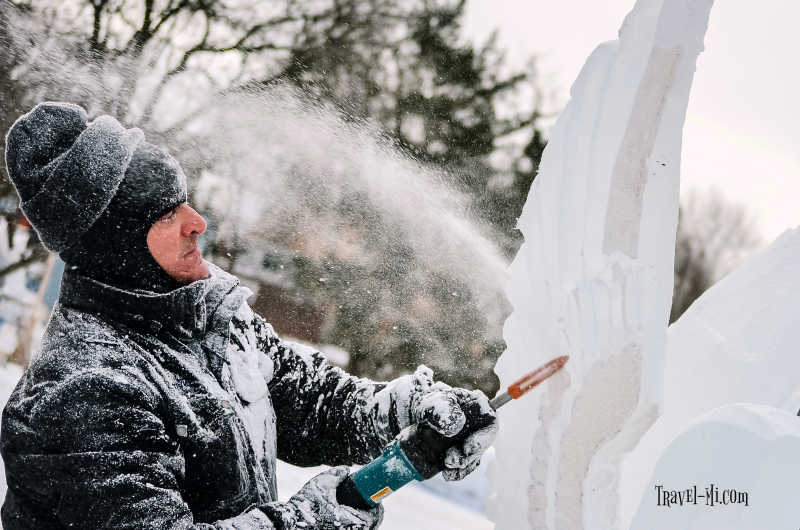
x,y
594,277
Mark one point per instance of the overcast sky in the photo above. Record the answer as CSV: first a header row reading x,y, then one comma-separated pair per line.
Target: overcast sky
x,y
742,127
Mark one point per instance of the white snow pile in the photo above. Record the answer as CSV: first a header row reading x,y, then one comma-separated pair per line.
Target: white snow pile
x,y
594,278
593,281
735,468
737,343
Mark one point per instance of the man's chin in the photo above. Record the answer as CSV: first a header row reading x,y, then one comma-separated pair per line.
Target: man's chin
x,y
199,272
206,270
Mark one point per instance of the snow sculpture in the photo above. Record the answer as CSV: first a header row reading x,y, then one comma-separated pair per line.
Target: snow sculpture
x,y
736,468
736,343
594,277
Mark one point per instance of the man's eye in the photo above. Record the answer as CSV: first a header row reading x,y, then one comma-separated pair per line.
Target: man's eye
x,y
169,216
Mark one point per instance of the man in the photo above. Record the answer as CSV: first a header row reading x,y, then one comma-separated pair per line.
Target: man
x,y
159,400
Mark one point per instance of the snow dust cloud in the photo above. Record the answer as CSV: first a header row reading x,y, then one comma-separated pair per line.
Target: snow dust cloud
x,y
281,169
282,176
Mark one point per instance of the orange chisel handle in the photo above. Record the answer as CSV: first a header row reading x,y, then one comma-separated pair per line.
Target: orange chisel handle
x,y
529,381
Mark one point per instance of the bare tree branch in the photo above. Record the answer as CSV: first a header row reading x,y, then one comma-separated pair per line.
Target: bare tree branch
x,y
98,6
37,253
168,13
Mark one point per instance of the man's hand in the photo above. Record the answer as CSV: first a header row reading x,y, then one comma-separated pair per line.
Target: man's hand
x,y
462,460
315,506
416,398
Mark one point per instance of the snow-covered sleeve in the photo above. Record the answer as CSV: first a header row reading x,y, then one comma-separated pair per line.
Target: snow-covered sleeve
x,y
324,415
109,462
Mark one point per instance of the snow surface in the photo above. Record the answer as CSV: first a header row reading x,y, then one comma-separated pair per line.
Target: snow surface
x,y
749,453
251,371
737,343
412,507
594,277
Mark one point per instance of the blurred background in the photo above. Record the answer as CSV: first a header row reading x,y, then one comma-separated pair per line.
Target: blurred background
x,y
361,163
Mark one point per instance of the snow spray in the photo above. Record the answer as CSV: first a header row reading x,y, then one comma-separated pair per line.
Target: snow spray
x,y
301,195
418,452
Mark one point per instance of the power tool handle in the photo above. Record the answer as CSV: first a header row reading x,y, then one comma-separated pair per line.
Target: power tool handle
x,y
427,448
347,494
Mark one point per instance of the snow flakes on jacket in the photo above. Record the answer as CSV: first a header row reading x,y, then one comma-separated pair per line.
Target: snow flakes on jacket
x,y
168,411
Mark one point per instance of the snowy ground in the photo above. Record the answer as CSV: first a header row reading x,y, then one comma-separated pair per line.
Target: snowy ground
x,y
414,507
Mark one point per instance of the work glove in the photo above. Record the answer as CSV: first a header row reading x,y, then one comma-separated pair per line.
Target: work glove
x,y
417,398
314,507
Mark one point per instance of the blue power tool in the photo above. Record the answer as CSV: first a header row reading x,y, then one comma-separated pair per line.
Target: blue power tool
x,y
418,452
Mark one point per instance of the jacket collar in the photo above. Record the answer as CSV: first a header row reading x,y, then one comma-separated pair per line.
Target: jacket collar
x,y
186,311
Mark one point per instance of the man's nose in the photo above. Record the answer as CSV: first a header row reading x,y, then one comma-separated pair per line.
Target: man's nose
x,y
194,224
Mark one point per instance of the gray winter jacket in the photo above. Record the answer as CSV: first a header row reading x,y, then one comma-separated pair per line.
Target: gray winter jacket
x,y
130,416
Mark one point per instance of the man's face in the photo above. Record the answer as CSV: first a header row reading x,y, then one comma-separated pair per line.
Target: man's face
x,y
172,241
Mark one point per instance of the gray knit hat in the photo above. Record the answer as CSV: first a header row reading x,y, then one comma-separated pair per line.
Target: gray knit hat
x,y
67,169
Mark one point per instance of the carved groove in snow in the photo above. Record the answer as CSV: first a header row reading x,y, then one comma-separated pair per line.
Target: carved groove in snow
x,y
630,171
594,277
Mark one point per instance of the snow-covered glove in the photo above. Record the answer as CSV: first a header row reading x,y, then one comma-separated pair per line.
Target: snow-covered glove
x,y
314,507
417,398
462,460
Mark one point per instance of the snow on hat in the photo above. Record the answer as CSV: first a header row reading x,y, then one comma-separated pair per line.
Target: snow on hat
x,y
67,169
